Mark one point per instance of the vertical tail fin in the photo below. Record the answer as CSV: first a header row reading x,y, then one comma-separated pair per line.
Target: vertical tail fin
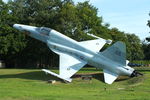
x,y
117,53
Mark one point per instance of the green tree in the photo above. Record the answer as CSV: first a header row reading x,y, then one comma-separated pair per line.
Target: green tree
x,y
148,21
133,44
64,16
148,24
10,41
146,46
37,13
135,47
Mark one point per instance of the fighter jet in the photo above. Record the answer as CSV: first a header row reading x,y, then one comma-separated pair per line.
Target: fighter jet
x,y
74,55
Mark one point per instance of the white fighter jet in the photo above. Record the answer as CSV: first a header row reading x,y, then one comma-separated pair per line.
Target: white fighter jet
x,y
74,55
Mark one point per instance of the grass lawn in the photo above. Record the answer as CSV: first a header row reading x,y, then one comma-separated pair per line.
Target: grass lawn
x,y
31,84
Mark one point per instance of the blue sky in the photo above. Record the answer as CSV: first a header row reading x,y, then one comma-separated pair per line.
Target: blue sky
x,y
129,16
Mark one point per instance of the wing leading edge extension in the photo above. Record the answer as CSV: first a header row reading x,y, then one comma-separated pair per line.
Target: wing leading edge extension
x,y
94,45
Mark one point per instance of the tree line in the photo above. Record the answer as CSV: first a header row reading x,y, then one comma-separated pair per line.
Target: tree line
x,y
74,20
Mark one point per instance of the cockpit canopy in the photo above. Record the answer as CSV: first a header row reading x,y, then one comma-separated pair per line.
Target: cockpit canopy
x,y
44,30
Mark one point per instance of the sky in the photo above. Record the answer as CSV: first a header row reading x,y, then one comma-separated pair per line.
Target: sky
x,y
129,16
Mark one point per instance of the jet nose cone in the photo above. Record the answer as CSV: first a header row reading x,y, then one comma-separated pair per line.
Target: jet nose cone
x,y
17,26
14,25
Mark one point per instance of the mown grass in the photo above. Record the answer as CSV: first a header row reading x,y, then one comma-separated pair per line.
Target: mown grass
x,y
24,84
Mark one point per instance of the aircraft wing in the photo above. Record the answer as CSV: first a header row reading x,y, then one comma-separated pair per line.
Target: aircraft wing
x,y
94,45
69,65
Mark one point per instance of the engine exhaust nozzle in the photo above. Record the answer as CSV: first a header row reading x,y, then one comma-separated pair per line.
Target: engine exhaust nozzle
x,y
136,74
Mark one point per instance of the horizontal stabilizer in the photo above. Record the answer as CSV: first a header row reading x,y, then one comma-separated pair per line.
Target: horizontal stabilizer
x,y
94,45
109,77
127,62
54,74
